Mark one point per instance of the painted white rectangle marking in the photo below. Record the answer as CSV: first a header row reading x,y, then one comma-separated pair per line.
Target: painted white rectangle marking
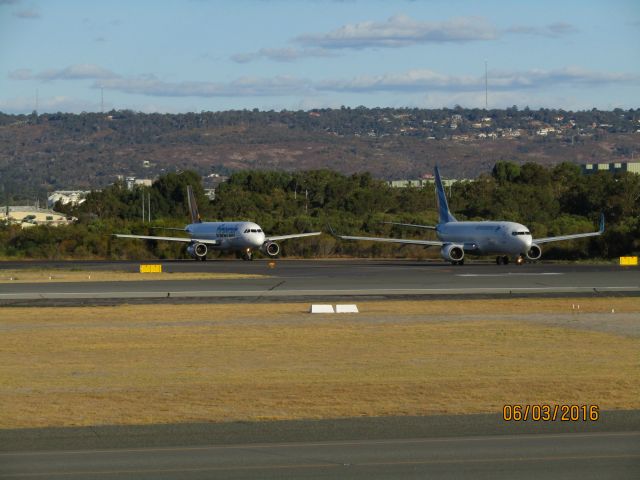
x,y
322,308
346,309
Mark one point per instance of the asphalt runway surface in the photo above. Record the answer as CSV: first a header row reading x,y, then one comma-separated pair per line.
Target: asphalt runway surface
x,y
328,279
473,446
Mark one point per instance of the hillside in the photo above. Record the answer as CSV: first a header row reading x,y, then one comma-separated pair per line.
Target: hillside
x,y
40,153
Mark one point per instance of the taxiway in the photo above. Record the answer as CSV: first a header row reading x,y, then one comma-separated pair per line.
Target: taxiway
x,y
315,280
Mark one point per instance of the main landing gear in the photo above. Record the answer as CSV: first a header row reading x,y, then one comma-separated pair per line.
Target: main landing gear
x,y
502,260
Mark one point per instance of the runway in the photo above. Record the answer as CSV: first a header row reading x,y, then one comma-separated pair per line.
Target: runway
x,y
474,446
304,280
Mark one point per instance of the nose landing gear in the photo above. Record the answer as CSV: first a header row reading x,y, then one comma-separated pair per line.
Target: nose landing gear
x,y
247,255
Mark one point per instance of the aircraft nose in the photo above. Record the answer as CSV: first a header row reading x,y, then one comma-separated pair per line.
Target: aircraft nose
x,y
256,239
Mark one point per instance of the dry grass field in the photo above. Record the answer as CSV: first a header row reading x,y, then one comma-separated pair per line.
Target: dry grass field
x,y
146,364
54,276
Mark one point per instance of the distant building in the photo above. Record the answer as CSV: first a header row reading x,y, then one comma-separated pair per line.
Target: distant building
x,y
28,216
132,182
426,181
633,167
66,197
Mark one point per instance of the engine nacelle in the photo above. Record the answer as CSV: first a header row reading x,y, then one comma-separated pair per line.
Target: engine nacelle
x,y
271,249
197,250
534,253
452,252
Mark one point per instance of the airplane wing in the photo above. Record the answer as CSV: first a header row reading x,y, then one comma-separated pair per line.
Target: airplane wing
x,y
170,239
406,241
571,237
428,227
275,238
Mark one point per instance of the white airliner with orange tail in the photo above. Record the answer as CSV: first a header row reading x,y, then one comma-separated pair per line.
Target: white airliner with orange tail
x,y
455,239
244,237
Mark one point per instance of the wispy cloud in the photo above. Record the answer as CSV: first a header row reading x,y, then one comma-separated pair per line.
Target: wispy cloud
x,y
281,54
556,29
47,104
21,74
27,14
73,72
426,80
411,81
401,31
396,32
242,87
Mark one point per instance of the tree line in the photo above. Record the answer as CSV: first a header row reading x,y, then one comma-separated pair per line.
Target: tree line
x,y
549,200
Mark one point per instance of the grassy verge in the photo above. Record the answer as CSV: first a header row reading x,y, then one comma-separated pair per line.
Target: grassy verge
x,y
162,364
49,276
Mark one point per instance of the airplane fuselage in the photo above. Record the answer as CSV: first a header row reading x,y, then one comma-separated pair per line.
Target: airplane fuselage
x,y
486,238
232,236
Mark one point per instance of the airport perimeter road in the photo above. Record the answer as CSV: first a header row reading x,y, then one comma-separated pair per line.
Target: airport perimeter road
x,y
299,280
567,456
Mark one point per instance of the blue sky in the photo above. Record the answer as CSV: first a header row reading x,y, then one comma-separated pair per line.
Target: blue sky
x,y
194,55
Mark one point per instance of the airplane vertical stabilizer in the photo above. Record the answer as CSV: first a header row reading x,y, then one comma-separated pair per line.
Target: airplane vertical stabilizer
x,y
444,215
193,206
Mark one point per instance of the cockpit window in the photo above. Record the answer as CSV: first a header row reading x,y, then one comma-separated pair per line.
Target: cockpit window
x,y
520,233
247,231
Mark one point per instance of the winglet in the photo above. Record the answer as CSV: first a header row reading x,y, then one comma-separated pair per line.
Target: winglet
x,y
602,223
331,232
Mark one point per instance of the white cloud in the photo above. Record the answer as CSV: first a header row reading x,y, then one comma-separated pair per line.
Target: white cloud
x,y
280,54
401,31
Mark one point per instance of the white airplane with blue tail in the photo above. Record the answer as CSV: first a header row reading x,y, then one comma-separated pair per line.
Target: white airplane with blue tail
x,y
243,237
456,238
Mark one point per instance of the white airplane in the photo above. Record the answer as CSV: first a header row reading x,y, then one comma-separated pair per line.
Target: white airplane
x,y
225,236
505,239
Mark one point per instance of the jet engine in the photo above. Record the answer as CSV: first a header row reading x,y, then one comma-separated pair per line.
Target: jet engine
x,y
534,253
197,250
271,249
452,252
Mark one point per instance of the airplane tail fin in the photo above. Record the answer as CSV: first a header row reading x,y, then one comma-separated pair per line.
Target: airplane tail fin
x,y
193,206
444,215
